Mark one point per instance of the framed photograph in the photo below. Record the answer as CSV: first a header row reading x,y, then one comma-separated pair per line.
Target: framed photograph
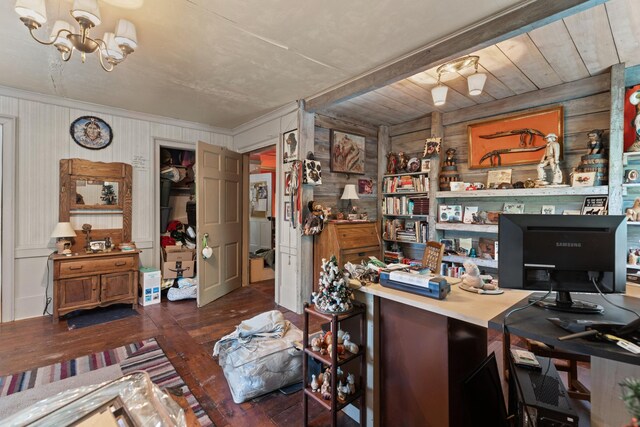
x,y
450,213
583,179
347,152
97,245
449,245
425,165
469,212
513,208
497,177
595,205
548,210
290,146
365,186
91,132
287,211
631,176
486,248
432,147
287,182
491,141
311,172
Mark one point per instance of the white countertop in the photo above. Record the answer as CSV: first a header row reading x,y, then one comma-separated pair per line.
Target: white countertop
x,y
469,307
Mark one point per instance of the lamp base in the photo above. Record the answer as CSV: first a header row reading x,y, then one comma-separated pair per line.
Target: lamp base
x,y
63,246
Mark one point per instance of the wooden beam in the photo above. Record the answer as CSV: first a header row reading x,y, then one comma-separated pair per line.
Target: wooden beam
x,y
412,126
437,131
328,122
503,26
384,147
632,76
616,139
306,126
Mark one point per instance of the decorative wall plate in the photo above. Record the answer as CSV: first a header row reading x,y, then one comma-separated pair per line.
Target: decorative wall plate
x,y
91,132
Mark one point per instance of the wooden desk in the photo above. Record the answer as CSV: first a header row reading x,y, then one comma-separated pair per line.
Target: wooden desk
x,y
610,364
86,281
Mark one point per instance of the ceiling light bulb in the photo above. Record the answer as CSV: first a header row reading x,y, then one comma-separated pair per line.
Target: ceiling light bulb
x,y
87,10
34,10
61,41
476,83
126,34
439,94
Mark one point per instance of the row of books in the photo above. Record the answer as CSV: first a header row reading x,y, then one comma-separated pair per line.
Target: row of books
x,y
451,270
397,257
411,231
405,183
405,205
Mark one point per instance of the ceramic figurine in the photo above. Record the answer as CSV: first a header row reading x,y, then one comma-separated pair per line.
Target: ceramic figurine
x,y
316,344
595,144
314,383
392,163
341,394
351,382
403,161
327,338
320,378
632,258
451,157
348,345
341,334
471,276
551,158
633,213
326,390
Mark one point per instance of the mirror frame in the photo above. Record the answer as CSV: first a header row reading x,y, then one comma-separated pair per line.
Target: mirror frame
x,y
73,191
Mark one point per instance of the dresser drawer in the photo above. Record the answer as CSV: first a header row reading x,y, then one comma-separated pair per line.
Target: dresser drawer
x,y
354,256
357,235
109,265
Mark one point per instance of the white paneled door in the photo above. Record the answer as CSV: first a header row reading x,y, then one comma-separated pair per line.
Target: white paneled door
x,y
219,215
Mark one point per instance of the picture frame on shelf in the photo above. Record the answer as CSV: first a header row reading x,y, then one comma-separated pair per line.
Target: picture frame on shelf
x,y
595,205
469,212
486,248
450,213
631,176
432,146
513,208
347,152
498,176
98,245
290,146
449,245
583,179
425,165
548,210
510,131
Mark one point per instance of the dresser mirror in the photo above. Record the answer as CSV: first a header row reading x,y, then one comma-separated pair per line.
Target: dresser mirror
x,y
95,194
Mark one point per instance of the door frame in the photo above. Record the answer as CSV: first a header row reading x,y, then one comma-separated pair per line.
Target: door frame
x,y
7,248
159,143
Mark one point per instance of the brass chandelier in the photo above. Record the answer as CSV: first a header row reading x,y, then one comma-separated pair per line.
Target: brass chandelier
x,y
112,49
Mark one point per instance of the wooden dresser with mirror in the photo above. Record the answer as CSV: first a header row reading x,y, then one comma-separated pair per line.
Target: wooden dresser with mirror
x,y
95,192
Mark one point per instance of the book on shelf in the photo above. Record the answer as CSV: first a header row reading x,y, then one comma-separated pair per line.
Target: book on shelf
x,y
405,183
406,230
405,205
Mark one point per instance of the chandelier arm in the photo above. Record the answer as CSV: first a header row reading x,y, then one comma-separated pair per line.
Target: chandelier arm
x,y
68,57
104,67
31,30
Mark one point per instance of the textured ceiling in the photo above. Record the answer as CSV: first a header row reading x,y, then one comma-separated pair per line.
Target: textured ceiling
x,y
226,62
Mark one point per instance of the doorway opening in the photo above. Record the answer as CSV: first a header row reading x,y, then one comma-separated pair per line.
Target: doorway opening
x,y
262,219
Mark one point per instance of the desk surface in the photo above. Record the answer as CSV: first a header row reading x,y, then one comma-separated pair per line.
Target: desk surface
x,y
532,323
459,304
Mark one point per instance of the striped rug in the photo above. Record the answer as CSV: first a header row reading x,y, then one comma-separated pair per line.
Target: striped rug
x,y
145,355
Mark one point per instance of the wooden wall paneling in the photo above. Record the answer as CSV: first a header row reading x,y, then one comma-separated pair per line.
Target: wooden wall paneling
x,y
409,87
43,138
556,94
457,94
371,103
358,110
556,45
195,135
411,143
77,151
164,131
384,147
616,139
222,140
593,41
384,98
437,131
427,82
411,126
526,56
497,63
9,106
626,31
493,88
334,123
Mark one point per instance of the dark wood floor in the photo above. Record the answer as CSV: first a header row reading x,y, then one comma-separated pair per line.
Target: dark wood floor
x,y
186,334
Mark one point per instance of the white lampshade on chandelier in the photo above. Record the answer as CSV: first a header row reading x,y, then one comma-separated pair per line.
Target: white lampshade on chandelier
x,y
475,81
112,49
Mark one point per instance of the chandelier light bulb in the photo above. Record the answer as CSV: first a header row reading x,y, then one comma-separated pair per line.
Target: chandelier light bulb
x,y
439,94
86,10
476,83
34,10
61,41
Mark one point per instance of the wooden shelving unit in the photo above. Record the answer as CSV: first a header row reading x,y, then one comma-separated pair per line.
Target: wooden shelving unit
x,y
480,262
460,226
333,361
528,192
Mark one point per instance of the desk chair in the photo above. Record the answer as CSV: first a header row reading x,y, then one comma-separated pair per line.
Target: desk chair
x,y
432,257
567,362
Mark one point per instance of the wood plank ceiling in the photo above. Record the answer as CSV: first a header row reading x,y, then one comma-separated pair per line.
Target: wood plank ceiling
x,y
579,46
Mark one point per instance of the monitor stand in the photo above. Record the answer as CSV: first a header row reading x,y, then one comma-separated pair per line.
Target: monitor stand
x,y
563,302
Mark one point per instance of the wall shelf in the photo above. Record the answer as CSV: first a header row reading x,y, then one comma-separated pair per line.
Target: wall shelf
x,y
407,193
527,192
414,216
480,262
626,157
406,173
404,241
460,226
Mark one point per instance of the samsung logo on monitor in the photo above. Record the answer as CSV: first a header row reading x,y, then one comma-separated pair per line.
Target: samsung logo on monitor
x,y
568,245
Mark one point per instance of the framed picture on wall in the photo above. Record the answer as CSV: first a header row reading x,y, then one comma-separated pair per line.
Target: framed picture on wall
x,y
287,211
287,182
91,132
347,152
290,146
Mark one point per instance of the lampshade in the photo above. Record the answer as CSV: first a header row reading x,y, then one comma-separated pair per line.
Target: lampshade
x,y
439,94
35,10
113,50
349,192
126,34
63,229
86,9
62,39
476,83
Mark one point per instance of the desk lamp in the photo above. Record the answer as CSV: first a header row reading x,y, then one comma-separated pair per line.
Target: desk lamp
x,y
62,231
349,194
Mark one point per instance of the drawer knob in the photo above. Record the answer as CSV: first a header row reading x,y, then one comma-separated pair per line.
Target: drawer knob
x,y
120,263
76,268
361,253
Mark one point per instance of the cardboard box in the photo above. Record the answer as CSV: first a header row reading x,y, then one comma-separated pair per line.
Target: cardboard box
x,y
259,271
178,253
174,269
149,280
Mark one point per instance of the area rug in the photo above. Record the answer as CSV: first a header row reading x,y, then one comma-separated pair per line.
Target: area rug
x,y
145,355
99,315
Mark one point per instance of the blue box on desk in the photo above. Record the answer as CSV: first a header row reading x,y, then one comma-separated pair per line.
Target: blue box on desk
x,y
436,287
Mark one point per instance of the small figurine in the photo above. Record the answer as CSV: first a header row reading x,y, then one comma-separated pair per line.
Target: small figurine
x,y
595,144
316,344
392,163
450,160
342,396
551,157
403,161
348,345
314,383
632,259
86,229
471,276
341,334
633,213
351,382
326,389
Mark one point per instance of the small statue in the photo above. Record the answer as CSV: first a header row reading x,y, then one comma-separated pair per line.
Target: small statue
x,y
551,157
450,160
316,344
471,276
86,229
633,213
632,259
348,345
314,383
341,334
392,163
351,382
342,396
403,161
595,144
326,389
